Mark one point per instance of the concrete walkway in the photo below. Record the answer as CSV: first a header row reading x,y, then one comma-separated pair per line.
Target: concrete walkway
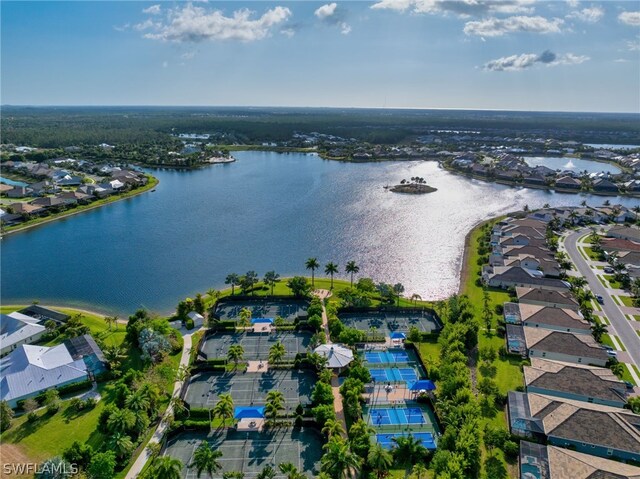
x,y
335,385
158,434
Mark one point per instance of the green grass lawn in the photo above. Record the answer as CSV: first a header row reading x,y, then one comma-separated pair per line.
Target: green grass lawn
x,y
612,282
625,300
626,375
606,340
588,250
50,435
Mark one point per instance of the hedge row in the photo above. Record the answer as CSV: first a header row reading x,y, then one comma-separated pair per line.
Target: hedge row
x,y
69,388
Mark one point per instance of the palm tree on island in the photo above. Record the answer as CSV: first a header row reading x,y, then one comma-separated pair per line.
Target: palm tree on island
x,y
352,268
270,279
312,264
331,268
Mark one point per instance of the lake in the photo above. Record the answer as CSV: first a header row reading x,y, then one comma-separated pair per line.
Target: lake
x,y
265,211
571,164
611,146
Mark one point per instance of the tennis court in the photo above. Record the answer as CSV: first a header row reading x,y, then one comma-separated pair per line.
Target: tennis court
x,y
250,389
401,416
390,356
250,452
288,310
256,345
394,375
388,322
426,439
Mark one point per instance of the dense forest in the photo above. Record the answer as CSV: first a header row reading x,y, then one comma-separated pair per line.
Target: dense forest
x,y
63,126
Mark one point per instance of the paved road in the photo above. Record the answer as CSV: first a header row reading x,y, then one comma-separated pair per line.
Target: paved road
x,y
619,323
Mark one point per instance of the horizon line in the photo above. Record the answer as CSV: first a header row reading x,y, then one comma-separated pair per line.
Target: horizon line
x,y
25,105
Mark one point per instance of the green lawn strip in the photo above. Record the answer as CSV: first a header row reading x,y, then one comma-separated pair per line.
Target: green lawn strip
x,y
617,300
80,208
606,340
602,280
596,305
636,369
619,342
626,375
612,281
636,317
625,300
591,254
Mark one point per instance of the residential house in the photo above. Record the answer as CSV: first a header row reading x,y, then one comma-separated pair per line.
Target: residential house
x,y
552,462
588,428
562,346
604,186
616,244
29,370
625,233
575,381
48,202
547,297
18,192
43,314
26,209
617,214
568,183
555,319
17,329
630,258
515,276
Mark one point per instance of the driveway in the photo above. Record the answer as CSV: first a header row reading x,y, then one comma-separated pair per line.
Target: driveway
x,y
619,324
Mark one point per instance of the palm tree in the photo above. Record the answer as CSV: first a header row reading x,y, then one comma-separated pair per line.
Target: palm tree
x,y
268,472
178,406
275,402
137,402
333,427
205,458
408,450
245,318
121,420
224,408
312,264
233,279
418,471
165,468
121,444
113,355
351,268
583,203
380,460
270,279
291,471
598,329
331,268
213,294
111,320
617,369
415,297
398,289
338,459
276,352
235,354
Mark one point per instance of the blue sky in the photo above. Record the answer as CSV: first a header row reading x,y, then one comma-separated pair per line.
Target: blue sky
x,y
509,54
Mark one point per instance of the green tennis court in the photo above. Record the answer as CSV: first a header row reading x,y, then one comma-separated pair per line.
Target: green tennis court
x,y
250,452
250,389
289,310
256,345
388,322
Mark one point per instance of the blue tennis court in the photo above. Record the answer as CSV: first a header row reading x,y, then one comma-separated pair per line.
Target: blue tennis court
x,y
386,357
385,416
425,438
393,374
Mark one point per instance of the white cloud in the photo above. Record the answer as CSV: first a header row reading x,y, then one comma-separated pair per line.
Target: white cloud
x,y
630,18
152,10
289,32
345,28
195,24
573,3
528,60
188,55
122,28
621,60
588,15
462,8
633,45
496,27
325,11
146,25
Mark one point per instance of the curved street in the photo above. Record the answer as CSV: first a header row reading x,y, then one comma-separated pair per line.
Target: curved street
x,y
619,324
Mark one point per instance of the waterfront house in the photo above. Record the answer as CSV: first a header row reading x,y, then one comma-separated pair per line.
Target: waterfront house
x,y
18,192
563,346
29,370
43,314
552,462
16,329
617,214
26,209
602,185
48,202
588,428
575,381
514,276
568,183
547,297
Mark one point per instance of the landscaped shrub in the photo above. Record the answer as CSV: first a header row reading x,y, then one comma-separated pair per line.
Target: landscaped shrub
x,y
189,324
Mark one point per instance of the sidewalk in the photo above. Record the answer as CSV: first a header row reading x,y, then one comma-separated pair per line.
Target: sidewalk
x,y
158,434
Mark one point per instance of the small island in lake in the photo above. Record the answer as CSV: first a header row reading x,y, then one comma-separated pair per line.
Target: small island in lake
x,y
416,186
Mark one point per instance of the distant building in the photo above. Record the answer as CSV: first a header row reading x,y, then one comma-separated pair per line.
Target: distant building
x,y
16,329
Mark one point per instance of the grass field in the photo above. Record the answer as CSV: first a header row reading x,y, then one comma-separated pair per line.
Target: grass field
x,y
612,282
625,300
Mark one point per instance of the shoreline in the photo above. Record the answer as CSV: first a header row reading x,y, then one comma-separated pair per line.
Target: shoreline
x,y
61,306
153,182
